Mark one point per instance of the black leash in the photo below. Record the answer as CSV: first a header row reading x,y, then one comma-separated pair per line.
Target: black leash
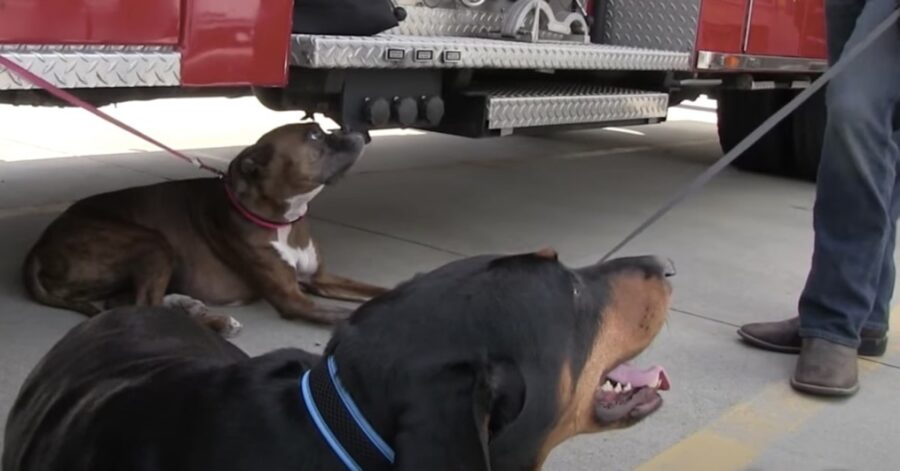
x,y
759,132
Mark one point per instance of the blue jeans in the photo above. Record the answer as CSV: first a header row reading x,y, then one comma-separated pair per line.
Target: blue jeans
x,y
851,280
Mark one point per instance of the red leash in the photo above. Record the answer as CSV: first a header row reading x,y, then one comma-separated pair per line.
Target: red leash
x,y
73,100
67,97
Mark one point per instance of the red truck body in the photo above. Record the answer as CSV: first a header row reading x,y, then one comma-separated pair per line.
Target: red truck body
x,y
245,42
775,27
222,42
472,68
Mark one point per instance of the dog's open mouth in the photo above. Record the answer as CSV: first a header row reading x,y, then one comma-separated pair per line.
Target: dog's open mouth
x,y
630,394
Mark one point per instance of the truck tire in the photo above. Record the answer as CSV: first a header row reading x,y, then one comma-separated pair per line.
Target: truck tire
x,y
809,130
739,113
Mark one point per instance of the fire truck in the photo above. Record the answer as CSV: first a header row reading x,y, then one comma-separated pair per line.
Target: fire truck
x,y
474,68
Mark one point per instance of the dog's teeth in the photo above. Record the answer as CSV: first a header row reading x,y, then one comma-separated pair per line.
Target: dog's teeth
x,y
627,387
618,388
607,387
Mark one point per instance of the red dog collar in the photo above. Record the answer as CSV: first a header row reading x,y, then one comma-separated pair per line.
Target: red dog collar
x,y
250,216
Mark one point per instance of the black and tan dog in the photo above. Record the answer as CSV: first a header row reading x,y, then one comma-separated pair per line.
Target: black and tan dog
x,y
205,241
485,363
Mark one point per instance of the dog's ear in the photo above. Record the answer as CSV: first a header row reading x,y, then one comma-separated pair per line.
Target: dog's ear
x,y
445,424
452,431
254,158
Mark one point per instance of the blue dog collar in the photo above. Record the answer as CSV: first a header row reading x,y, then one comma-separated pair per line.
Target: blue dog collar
x,y
332,409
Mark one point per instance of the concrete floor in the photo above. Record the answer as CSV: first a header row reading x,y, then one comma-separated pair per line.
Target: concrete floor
x,y
418,200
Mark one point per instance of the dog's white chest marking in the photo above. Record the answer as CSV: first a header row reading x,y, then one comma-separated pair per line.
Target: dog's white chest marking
x,y
299,205
303,259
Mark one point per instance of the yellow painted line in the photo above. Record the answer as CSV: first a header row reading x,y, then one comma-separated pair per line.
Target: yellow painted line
x,y
736,438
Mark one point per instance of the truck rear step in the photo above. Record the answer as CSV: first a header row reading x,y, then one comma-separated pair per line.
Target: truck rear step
x,y
554,105
390,51
498,110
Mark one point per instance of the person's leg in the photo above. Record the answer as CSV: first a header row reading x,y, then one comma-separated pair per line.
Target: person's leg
x,y
879,320
853,217
840,21
784,336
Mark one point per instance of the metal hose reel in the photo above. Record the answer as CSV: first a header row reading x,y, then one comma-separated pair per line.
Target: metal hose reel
x,y
527,19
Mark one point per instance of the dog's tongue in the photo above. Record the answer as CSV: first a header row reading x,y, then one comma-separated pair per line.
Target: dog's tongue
x,y
626,373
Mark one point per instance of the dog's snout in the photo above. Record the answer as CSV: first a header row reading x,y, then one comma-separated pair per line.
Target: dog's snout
x,y
668,267
342,132
662,266
648,265
346,140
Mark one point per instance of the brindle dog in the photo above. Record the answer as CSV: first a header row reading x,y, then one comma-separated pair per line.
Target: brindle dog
x,y
205,241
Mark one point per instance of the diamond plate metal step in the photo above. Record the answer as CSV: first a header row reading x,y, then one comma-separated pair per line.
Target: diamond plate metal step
x,y
389,51
91,66
553,105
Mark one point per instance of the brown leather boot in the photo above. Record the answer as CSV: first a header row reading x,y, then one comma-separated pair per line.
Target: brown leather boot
x,y
826,369
784,337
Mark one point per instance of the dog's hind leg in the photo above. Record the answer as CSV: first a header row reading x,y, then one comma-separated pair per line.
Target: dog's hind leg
x,y
331,286
151,263
226,326
122,299
80,260
151,271
42,283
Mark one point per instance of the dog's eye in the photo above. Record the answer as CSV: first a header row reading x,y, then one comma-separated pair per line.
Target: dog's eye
x,y
314,135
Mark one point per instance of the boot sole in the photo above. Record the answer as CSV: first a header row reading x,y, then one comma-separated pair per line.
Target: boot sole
x,y
760,343
868,347
824,390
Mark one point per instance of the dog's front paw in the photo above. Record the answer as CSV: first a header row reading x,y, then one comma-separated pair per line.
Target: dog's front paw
x,y
194,307
379,290
232,328
331,314
226,326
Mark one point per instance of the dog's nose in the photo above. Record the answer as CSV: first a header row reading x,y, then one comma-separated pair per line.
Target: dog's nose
x,y
668,267
367,138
